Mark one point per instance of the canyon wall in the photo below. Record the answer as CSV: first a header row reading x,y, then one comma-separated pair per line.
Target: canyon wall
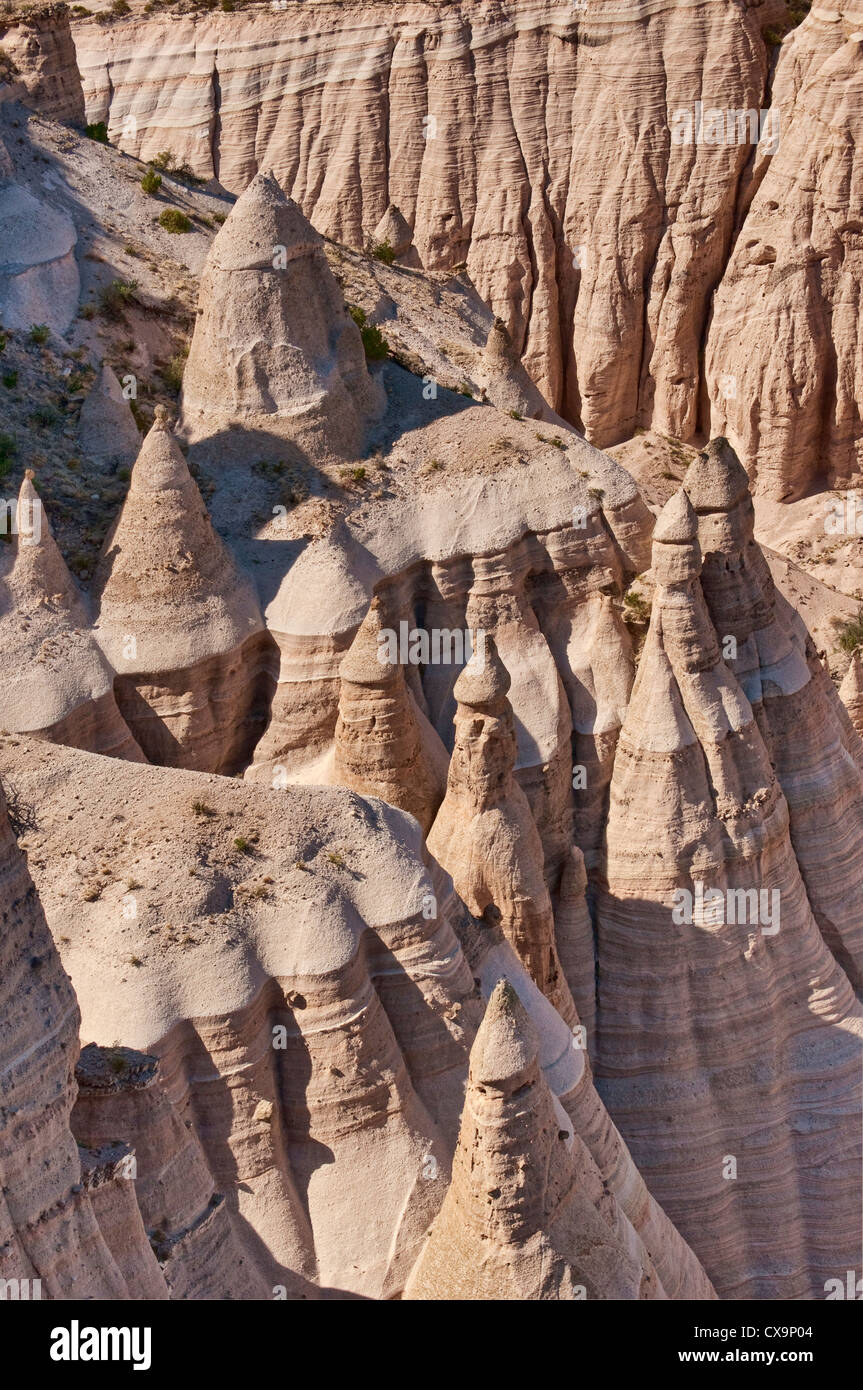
x,y
546,147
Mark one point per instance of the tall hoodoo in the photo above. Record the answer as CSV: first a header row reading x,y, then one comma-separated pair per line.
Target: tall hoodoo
x,y
54,682
515,1222
704,917
274,332
383,745
815,752
485,835
179,623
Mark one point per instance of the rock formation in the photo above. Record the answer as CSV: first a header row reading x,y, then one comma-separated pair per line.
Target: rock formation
x,y
503,147
106,427
49,1229
39,44
516,1223
178,622
39,281
55,683
706,917
384,745
817,756
394,231
274,331
484,834
785,385
311,1004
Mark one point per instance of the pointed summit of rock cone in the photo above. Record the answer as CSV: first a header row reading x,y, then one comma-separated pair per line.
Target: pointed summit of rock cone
x,y
54,681
515,1222
498,345
677,523
395,229
485,681
165,577
274,346
506,1048
676,552
384,746
716,479
851,691
263,221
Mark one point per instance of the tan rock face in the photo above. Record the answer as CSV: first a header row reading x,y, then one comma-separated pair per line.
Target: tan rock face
x,y
106,427
274,331
704,915
49,1229
795,366
516,1222
502,150
378,743
42,49
326,1017
851,692
815,752
179,623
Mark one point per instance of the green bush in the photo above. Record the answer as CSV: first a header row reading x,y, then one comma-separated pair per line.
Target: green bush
x,y
40,333
375,344
98,131
151,182
174,221
114,298
849,635
383,251
10,379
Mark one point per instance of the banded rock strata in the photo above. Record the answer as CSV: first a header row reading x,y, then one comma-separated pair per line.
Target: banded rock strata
x,y
729,1124
289,1135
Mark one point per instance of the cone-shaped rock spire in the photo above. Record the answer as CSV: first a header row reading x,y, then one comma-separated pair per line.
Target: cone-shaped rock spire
x,y
395,229
179,622
106,429
703,916
54,683
514,1223
274,346
815,751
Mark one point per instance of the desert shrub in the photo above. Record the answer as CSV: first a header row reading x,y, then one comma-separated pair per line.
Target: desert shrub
x,y
10,379
849,634
114,298
383,251
40,333
375,344
97,131
174,221
151,182
171,371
